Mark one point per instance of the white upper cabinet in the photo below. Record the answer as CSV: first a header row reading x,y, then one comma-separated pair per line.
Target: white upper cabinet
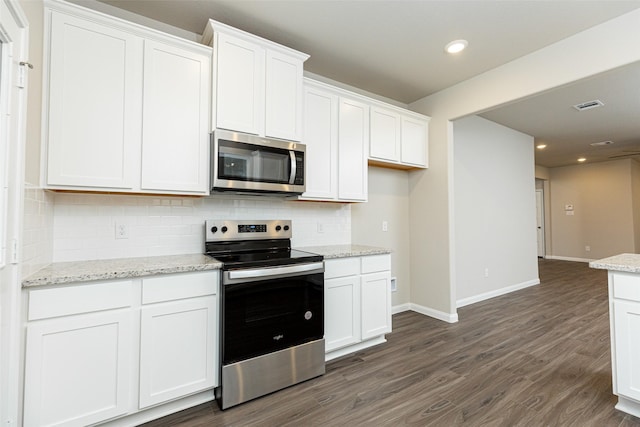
x,y
257,84
175,137
353,139
336,132
385,134
399,138
415,141
126,107
95,107
240,85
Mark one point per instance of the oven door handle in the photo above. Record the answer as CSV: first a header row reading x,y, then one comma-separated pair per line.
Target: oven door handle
x,y
290,270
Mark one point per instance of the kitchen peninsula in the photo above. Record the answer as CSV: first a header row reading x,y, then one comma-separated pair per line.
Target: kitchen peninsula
x,y
624,317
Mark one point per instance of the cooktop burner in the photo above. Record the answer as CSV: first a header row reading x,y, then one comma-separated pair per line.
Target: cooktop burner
x,y
266,259
250,244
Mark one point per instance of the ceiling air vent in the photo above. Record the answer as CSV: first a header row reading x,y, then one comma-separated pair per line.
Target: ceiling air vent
x,y
588,105
597,144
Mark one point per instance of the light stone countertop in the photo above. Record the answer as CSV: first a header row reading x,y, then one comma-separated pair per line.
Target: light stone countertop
x,y
85,271
629,263
61,273
344,251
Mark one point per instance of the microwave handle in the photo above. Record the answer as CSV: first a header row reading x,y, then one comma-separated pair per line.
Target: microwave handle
x,y
294,166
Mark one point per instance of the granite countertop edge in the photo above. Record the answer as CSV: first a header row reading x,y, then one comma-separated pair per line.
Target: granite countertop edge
x,y
345,251
629,263
61,273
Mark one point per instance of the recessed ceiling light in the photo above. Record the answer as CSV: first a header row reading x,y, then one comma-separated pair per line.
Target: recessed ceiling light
x,y
456,46
582,159
541,146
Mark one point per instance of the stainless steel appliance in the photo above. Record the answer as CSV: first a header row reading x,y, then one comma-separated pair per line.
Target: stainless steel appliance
x,y
272,309
250,164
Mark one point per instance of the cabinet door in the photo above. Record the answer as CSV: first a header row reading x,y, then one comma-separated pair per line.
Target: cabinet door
x,y
240,85
283,96
415,134
176,119
341,312
627,348
95,109
321,139
376,304
77,369
177,349
353,140
384,143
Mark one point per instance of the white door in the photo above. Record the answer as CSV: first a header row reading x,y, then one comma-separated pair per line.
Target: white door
x,y
540,222
175,126
177,349
353,141
341,312
13,52
375,291
627,352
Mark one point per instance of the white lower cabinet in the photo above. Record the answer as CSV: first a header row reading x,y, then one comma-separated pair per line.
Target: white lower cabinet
x,y
78,364
357,303
624,306
178,350
87,343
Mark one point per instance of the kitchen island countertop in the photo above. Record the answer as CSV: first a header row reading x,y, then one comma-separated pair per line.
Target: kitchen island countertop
x,y
629,263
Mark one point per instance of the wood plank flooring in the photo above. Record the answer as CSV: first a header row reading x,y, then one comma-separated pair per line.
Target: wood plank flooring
x,y
536,357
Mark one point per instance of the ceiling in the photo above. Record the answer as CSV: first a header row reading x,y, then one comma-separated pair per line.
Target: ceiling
x,y
395,48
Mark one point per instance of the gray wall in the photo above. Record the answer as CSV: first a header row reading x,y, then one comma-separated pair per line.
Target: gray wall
x,y
494,210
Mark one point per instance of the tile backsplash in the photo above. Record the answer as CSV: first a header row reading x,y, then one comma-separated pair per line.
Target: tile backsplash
x,y
37,245
84,225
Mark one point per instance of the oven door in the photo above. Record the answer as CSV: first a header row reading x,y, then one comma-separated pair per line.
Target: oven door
x,y
270,309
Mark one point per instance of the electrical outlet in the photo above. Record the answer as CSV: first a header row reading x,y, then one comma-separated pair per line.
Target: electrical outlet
x,y
394,284
122,231
486,272
385,226
587,248
320,227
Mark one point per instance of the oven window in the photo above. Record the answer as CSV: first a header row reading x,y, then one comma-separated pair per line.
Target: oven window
x,y
247,162
266,316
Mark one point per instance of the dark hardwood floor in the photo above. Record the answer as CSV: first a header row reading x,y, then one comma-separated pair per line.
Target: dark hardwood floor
x,y
536,357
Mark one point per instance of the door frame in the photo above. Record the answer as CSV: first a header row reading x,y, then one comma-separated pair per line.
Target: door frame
x,y
14,37
540,223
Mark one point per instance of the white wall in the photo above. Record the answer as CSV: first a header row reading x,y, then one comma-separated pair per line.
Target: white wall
x,y
602,216
388,201
595,50
494,210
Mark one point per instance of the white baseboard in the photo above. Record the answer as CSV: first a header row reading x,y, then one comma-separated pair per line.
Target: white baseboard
x,y
496,293
400,308
436,314
566,258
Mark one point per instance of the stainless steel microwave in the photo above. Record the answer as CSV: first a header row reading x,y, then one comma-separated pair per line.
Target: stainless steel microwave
x,y
251,164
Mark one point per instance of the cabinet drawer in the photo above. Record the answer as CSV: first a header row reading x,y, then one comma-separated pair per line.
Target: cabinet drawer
x,y
45,303
341,267
375,263
178,286
626,286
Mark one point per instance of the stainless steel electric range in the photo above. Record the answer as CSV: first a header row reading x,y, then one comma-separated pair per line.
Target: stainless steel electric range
x,y
272,309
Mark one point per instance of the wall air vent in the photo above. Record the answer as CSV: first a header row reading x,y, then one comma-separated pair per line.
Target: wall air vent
x,y
598,144
588,105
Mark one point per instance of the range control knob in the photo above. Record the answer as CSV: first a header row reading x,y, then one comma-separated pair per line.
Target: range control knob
x,y
286,228
278,228
224,229
214,229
